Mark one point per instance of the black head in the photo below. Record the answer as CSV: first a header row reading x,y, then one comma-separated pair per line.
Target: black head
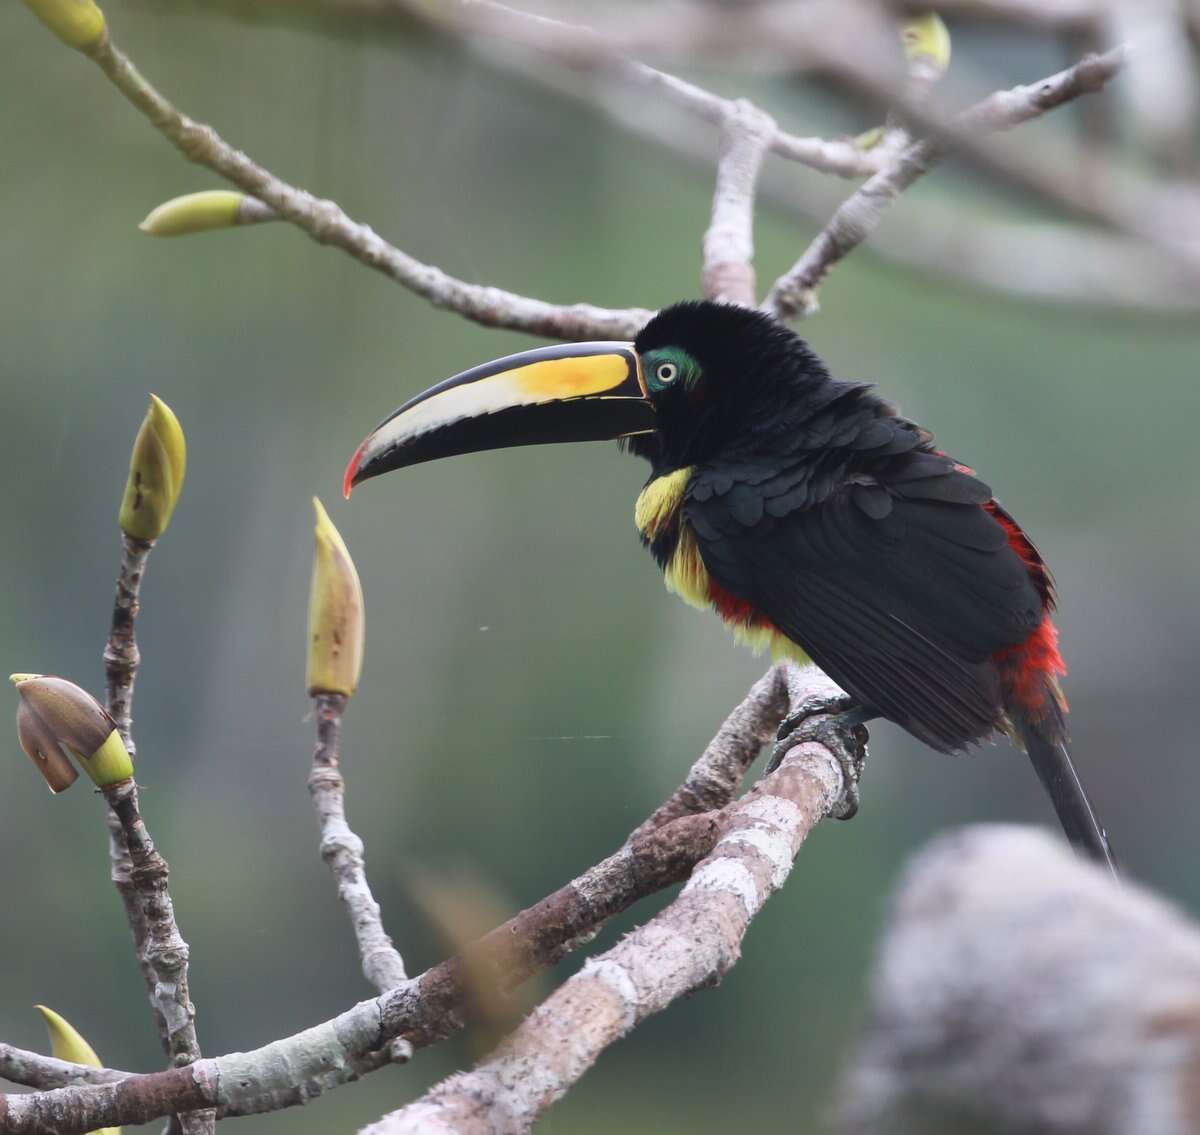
x,y
716,371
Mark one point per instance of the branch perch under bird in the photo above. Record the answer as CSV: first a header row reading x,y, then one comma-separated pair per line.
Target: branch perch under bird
x,y
427,1008
689,946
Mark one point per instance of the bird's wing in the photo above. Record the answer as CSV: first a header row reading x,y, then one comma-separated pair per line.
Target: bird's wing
x,y
881,562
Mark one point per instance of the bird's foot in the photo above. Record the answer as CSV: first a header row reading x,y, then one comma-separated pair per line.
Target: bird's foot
x,y
839,724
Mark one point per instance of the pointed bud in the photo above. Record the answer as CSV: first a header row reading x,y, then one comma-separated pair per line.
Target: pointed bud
x,y
204,211
336,617
78,23
927,46
57,720
67,1044
156,470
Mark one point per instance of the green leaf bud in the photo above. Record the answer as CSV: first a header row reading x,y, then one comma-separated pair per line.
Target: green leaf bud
x,y
156,469
205,211
927,44
78,23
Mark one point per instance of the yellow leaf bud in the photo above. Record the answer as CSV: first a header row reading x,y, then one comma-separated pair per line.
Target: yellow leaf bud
x,y
57,720
927,43
205,211
78,23
336,618
156,469
67,1044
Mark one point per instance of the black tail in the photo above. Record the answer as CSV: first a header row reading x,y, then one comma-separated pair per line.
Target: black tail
x,y
1042,740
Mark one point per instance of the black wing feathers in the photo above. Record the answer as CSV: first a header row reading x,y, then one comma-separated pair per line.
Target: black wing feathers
x,y
873,553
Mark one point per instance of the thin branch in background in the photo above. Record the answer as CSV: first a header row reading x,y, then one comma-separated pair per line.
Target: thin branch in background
x,y
1037,260
1047,15
342,850
689,946
862,212
585,50
327,223
1162,90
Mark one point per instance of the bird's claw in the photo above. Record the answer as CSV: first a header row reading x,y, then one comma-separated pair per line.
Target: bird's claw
x,y
836,724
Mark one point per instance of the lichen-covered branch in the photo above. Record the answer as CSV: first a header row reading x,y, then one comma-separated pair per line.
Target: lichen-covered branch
x,y
327,223
428,1008
1020,989
342,850
864,210
583,49
425,1009
689,946
20,1066
164,950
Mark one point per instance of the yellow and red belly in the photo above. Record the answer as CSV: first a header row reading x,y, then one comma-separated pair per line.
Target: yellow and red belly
x,y
659,520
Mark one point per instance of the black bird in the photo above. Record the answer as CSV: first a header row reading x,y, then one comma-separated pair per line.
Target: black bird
x,y
803,510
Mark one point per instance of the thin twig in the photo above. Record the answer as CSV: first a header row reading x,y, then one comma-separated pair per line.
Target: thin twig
x,y
1038,260
582,48
859,215
165,950
121,661
327,223
20,1066
342,850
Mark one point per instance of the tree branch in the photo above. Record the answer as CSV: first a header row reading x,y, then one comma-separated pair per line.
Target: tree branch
x,y
728,272
327,223
430,1007
581,48
862,212
121,661
342,850
1028,259
165,951
689,946
19,1066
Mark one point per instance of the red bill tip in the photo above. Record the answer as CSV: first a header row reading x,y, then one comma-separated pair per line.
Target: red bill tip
x,y
352,470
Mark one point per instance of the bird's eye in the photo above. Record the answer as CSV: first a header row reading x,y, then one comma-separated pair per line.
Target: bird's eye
x,y
666,372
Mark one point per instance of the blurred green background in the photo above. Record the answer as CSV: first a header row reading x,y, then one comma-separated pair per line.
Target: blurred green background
x,y
530,690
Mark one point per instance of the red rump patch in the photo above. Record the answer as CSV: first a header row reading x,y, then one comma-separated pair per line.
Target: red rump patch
x,y
1031,669
734,610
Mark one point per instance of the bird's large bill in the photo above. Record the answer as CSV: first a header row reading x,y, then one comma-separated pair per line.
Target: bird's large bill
x,y
574,392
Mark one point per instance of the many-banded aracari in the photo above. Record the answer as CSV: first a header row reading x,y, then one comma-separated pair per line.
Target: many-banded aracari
x,y
805,511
